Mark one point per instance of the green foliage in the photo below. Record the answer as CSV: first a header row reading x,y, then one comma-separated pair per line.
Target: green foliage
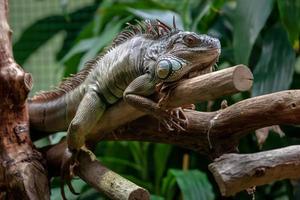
x,y
193,185
249,19
290,16
261,33
275,68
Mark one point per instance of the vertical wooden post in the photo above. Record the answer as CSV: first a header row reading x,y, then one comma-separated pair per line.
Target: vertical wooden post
x,y
22,174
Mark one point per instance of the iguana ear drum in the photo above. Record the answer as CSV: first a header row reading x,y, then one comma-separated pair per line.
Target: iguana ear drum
x,y
164,69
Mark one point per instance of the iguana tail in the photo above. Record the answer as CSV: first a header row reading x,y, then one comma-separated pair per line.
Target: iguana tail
x,y
53,110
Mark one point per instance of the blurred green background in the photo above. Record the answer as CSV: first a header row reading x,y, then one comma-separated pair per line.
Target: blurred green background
x,y
54,38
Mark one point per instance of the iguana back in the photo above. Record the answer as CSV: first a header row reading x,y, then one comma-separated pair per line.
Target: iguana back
x,y
110,73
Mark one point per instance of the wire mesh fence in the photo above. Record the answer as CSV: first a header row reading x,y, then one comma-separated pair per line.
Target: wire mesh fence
x,y
33,22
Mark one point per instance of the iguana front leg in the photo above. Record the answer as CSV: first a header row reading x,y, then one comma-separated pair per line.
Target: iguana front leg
x,y
135,96
88,113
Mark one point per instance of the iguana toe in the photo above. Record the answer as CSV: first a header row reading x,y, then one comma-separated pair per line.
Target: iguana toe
x,y
69,162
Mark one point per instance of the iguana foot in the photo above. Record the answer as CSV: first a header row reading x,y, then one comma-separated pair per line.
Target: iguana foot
x,y
165,90
69,162
173,120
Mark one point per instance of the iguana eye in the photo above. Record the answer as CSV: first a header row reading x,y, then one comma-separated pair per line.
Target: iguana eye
x,y
190,40
164,69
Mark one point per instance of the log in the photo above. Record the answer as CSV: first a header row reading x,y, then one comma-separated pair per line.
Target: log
x,y
108,182
237,172
98,176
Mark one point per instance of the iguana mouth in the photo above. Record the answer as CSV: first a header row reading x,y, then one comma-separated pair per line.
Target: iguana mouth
x,y
201,69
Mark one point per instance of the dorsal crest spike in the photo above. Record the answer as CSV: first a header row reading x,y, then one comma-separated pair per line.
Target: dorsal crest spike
x,y
152,29
174,23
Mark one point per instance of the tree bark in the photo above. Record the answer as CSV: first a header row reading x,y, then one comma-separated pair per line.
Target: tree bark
x,y
21,166
95,174
237,172
215,133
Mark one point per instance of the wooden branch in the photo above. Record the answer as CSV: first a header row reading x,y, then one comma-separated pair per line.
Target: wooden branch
x,y
108,182
213,133
202,88
98,176
22,171
237,172
223,128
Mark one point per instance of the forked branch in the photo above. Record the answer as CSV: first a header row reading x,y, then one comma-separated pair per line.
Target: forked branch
x,y
206,87
209,133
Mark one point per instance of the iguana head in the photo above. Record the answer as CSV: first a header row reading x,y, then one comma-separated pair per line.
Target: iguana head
x,y
167,53
186,53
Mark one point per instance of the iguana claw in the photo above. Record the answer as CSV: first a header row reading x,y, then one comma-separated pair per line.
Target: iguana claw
x,y
173,120
69,163
165,90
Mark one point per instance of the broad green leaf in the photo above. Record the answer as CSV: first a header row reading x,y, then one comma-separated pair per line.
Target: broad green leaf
x,y
297,65
155,197
112,161
111,31
163,15
193,184
35,36
55,138
250,17
290,16
82,17
168,186
39,32
204,8
91,194
185,12
161,155
139,152
42,142
78,185
274,70
81,46
91,47
145,184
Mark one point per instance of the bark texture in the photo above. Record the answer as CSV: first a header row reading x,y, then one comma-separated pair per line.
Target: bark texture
x,y
236,172
215,133
95,174
21,168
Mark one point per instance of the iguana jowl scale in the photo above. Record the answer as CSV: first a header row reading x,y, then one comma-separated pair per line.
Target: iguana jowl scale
x,y
140,57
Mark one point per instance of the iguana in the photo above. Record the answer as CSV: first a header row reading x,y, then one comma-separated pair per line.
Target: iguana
x,y
140,57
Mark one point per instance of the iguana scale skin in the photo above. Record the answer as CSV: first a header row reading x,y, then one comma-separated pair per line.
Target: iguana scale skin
x,y
140,57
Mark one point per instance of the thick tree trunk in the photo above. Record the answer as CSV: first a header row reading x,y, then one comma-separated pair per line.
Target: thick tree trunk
x,y
22,175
